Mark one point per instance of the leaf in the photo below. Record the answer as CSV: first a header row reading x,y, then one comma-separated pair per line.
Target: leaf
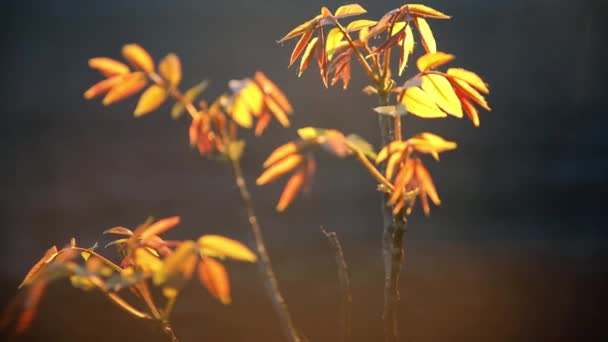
x,y
407,48
335,142
394,160
189,96
277,111
81,282
241,114
427,185
424,11
235,149
177,268
440,89
49,255
129,85
147,261
471,111
360,24
431,143
307,133
279,168
150,100
419,103
222,247
291,190
397,110
262,123
271,89
308,53
470,77
302,28
349,10
401,180
103,86
138,57
118,231
280,153
214,277
433,60
158,227
464,89
334,37
170,69
391,148
361,145
300,46
428,40
108,67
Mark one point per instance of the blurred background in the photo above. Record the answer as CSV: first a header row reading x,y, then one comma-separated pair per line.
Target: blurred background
x,y
517,252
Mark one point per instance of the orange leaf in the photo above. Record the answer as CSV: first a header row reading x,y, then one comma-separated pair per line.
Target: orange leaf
x,y
393,147
291,190
426,182
262,123
463,88
431,144
130,84
470,77
150,100
280,168
349,10
277,111
49,255
170,69
322,57
158,227
270,88
108,67
419,103
471,111
138,57
393,162
424,11
308,53
402,179
214,277
440,89
302,28
103,86
300,46
428,40
222,247
433,60
280,153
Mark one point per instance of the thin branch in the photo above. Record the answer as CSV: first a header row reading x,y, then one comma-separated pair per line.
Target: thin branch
x,y
344,279
372,169
360,57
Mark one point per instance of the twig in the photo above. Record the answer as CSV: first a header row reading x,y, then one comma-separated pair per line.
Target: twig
x,y
344,279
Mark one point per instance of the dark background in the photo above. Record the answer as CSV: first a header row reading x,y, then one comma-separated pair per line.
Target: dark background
x,y
517,252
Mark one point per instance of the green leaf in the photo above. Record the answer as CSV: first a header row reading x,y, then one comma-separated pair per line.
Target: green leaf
x,y
189,96
361,145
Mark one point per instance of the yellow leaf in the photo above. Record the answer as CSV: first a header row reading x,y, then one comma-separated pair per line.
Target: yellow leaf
x,y
334,37
307,55
129,85
214,277
222,247
150,100
440,89
464,88
170,69
407,48
189,96
424,11
307,133
177,268
428,40
81,282
138,57
349,10
419,103
393,147
108,67
280,153
146,261
360,24
433,60
240,113
431,143
470,77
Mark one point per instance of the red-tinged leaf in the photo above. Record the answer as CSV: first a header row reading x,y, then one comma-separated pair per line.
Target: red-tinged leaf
x,y
440,89
349,10
428,40
280,153
277,111
360,24
307,56
103,87
471,111
393,147
426,182
401,180
129,85
419,103
119,231
389,43
262,123
270,88
138,57
342,72
150,100
108,67
194,132
424,11
301,29
433,60
280,168
214,278
223,247
158,227
325,12
300,46
30,306
291,190
464,89
322,58
470,77
407,48
346,76
49,255
170,69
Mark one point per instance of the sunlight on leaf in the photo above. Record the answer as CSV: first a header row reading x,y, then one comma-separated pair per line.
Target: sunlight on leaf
x,y
108,67
214,277
433,60
419,103
170,69
440,89
129,85
189,96
138,57
222,247
428,40
349,10
150,100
